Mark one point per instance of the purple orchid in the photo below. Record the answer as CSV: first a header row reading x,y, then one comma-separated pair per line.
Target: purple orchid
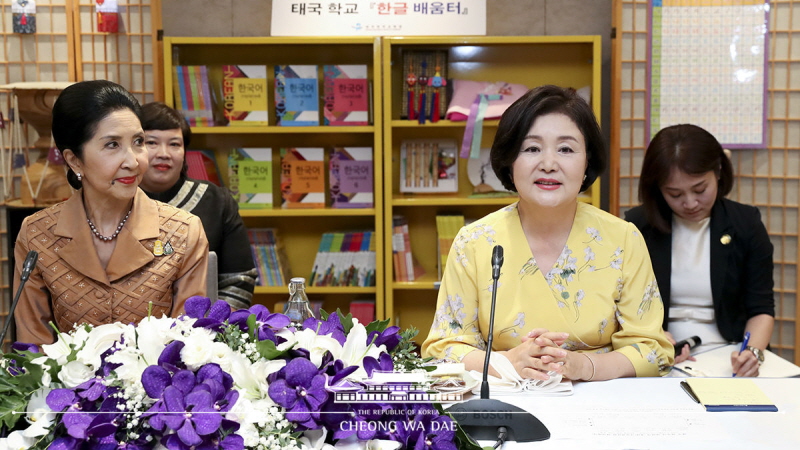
x,y
299,387
384,363
390,337
170,357
191,416
266,322
333,326
423,428
208,316
20,347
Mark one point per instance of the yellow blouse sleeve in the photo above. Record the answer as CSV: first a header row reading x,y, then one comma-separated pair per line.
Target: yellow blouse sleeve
x,y
640,312
455,331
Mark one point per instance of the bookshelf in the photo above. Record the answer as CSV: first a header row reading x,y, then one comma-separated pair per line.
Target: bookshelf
x,y
299,230
573,61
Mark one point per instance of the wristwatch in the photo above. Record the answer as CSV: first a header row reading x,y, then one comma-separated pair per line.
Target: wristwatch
x,y
759,354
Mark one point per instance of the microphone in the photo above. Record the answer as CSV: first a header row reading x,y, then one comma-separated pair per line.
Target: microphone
x,y
27,268
693,342
483,418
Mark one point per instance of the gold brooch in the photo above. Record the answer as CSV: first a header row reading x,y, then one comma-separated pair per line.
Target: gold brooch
x,y
158,248
725,239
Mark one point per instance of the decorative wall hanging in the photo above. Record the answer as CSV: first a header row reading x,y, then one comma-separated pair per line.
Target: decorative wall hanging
x,y
23,13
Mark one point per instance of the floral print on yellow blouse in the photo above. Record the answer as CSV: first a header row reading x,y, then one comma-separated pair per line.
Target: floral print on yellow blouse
x,y
601,290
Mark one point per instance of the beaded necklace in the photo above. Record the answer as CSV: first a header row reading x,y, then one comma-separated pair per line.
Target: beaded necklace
x,y
116,232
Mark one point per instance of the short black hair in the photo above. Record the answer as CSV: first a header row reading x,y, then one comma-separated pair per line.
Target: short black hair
x,y
692,150
517,120
80,108
159,116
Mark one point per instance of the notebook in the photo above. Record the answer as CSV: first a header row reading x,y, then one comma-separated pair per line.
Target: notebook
x,y
728,394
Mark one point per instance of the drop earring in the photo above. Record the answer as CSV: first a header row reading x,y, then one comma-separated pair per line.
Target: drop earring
x,y
584,178
80,177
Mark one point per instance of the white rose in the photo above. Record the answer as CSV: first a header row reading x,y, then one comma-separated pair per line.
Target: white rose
x,y
74,373
197,350
100,339
221,355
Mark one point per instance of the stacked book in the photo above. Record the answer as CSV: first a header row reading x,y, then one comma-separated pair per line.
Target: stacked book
x,y
268,256
193,97
345,259
406,267
363,310
447,227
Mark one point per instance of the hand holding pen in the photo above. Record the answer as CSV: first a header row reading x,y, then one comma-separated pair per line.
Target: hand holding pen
x,y
744,362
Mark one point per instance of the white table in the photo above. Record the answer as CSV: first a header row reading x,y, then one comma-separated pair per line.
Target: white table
x,y
655,413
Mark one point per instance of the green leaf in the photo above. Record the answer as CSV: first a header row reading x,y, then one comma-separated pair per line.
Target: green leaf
x,y
267,349
347,321
378,325
251,326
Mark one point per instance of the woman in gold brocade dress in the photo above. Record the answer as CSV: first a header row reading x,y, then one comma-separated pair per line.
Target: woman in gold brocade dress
x,y
108,251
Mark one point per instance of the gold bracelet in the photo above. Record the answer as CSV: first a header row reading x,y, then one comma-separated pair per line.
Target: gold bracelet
x,y
592,363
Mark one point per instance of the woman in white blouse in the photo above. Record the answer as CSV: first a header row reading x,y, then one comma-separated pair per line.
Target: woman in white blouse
x,y
712,256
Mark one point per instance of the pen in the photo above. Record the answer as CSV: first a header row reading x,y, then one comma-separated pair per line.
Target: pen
x,y
744,343
688,389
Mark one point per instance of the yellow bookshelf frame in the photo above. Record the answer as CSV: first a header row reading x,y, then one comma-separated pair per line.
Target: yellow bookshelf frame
x,y
300,230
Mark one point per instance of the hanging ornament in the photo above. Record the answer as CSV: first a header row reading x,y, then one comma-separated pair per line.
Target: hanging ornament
x,y
23,13
107,16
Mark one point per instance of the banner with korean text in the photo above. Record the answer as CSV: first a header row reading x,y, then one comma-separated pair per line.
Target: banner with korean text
x,y
371,18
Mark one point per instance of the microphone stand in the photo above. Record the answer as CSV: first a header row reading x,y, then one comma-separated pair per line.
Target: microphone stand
x,y
27,268
481,418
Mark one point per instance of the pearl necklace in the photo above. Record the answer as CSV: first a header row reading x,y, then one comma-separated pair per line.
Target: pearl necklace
x,y
116,232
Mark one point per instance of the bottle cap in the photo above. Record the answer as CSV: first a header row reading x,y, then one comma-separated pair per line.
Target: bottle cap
x,y
297,280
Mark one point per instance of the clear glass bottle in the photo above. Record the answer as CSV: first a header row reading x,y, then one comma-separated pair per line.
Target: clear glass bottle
x,y
298,308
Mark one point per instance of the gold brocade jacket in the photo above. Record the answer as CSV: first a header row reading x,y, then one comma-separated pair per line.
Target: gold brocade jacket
x,y
69,285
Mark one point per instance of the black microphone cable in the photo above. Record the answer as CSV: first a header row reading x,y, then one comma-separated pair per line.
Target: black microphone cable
x,y
502,435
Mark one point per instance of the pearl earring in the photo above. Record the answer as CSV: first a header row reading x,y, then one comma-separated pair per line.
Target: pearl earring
x,y
584,178
80,177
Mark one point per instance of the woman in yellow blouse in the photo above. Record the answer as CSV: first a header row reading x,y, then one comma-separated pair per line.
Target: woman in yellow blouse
x,y
580,298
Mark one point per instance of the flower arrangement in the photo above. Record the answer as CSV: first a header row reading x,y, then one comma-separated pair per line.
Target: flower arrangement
x,y
215,379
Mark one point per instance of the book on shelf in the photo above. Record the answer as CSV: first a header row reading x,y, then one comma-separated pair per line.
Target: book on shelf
x,y
193,95
351,177
344,259
346,93
202,165
250,176
447,228
296,95
428,166
269,257
303,177
363,310
244,90
406,267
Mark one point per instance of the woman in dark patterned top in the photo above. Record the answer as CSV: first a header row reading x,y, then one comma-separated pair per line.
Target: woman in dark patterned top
x,y
167,134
